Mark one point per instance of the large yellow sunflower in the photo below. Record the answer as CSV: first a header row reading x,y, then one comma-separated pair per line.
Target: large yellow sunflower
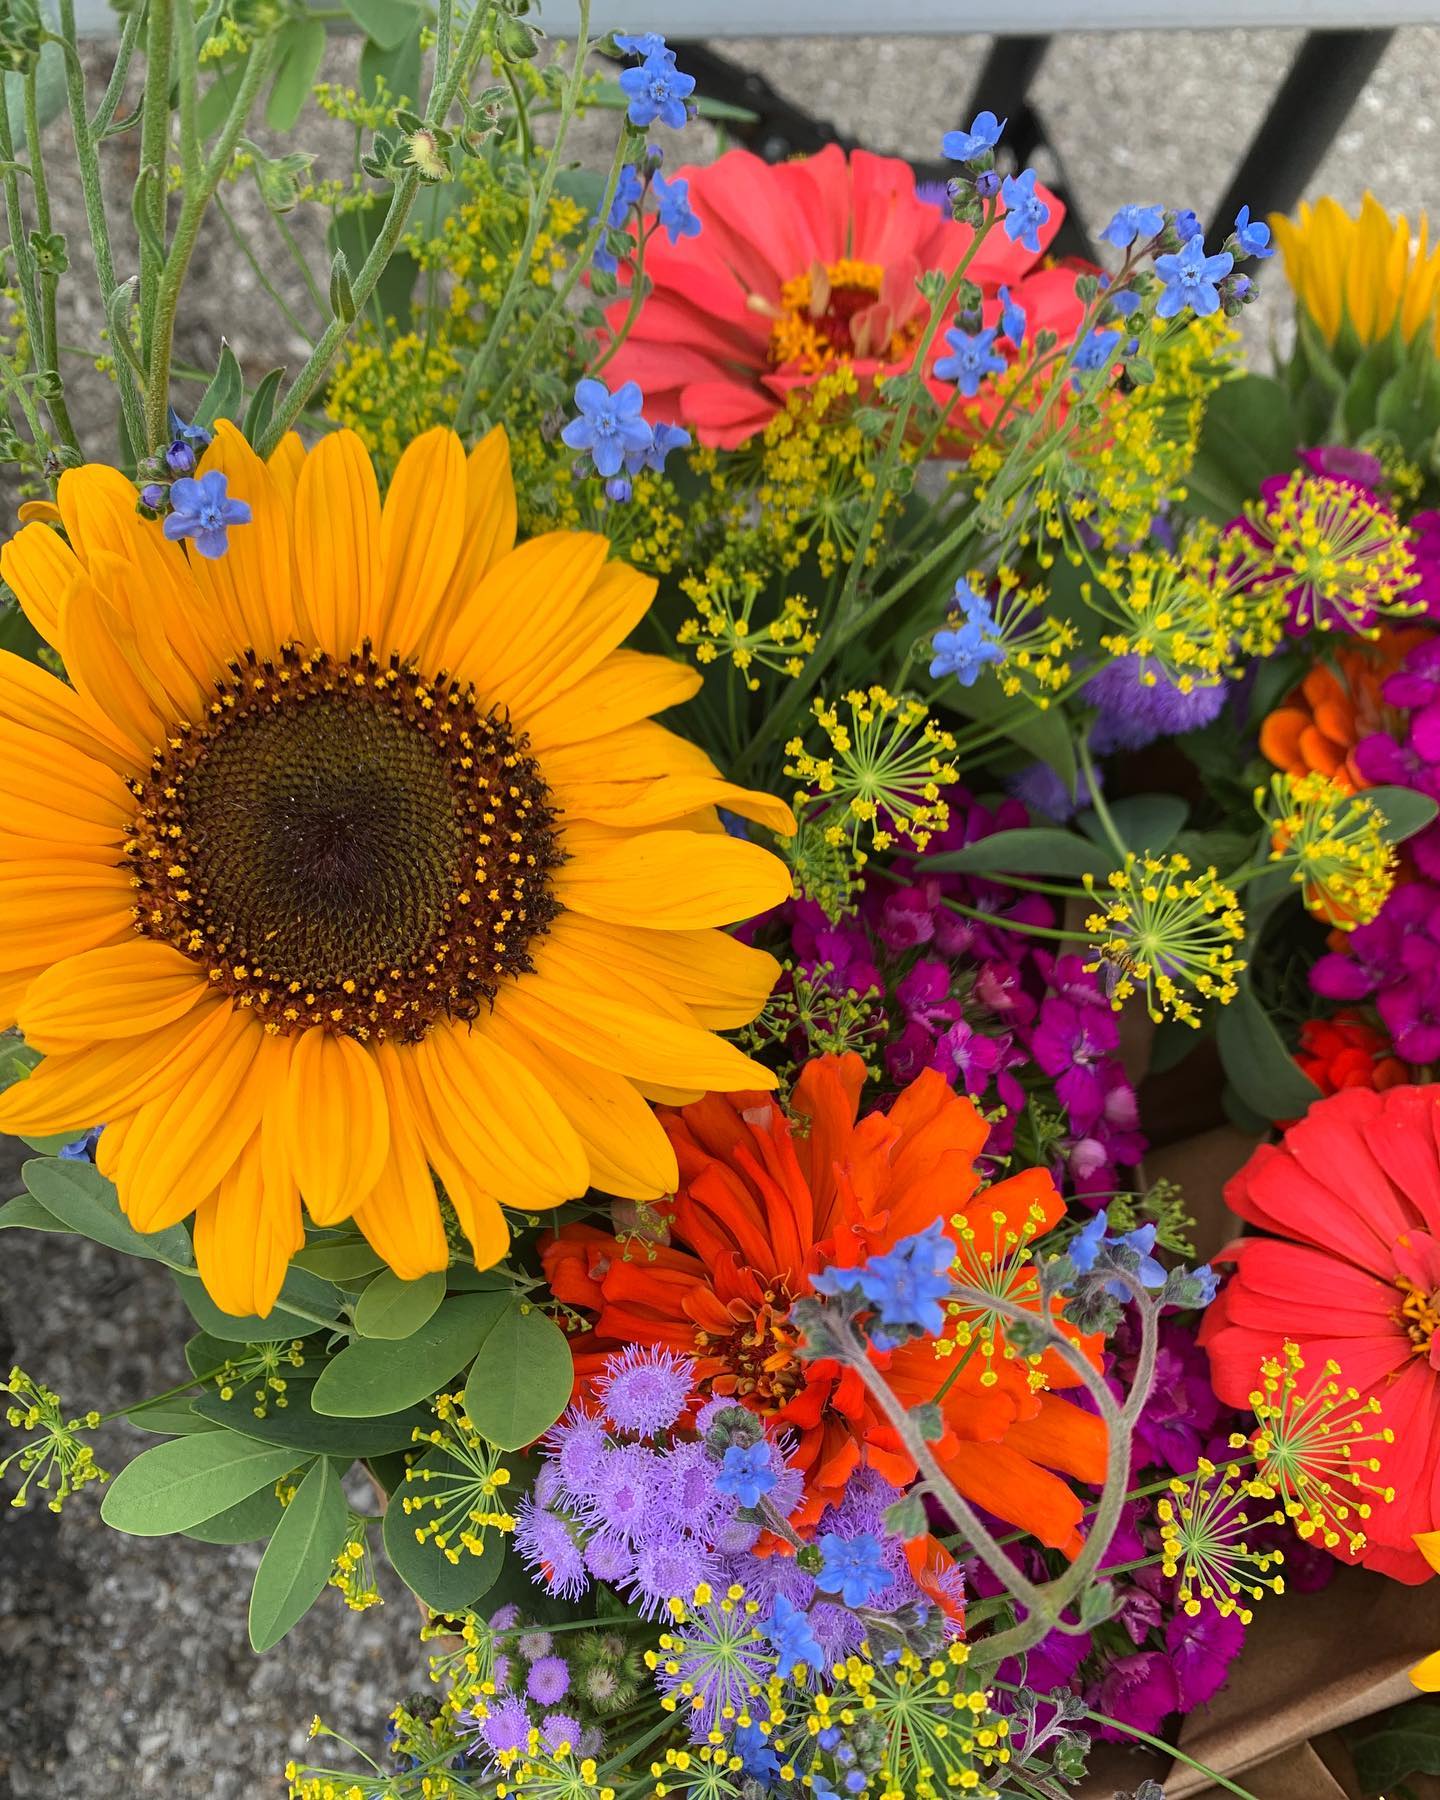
x,y
1368,271
355,854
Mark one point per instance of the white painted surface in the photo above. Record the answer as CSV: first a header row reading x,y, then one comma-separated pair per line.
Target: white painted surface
x,y
936,18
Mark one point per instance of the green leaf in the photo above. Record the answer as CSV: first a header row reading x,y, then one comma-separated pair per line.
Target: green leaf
x,y
374,1376
1033,850
352,234
262,405
522,1377
300,48
1408,1744
172,1417
1406,812
221,400
1144,822
387,23
1256,1061
26,1213
299,1557
345,1261
1249,432
399,69
216,101
298,1425
80,1197
392,1308
425,1569
300,1288
178,1485
245,1522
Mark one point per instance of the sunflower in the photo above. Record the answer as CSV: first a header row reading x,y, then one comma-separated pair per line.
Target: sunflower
x,y
354,855
1362,275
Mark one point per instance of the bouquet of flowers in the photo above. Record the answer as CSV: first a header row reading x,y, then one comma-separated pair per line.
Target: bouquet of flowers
x,y
618,873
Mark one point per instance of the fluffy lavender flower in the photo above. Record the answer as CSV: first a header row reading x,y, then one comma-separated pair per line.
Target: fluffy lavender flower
x,y
688,1478
578,1445
644,1390
545,1543
609,1558
669,1571
714,1659
1041,790
559,1728
624,1491
508,1725
1134,713
548,1680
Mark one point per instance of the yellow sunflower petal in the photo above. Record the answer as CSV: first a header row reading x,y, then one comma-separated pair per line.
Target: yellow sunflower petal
x,y
634,805
108,1081
116,992
101,661
669,880
187,1139
723,982
401,1216
337,543
476,1208
520,1144
285,463
138,627
64,778
493,642
339,1128
44,510
625,687
13,989
490,516
41,568
35,698
420,535
628,1038
1426,1673
245,1234
97,504
52,908
628,1151
250,583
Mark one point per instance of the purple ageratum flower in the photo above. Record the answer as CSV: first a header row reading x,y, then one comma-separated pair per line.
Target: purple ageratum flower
x,y
625,1491
669,1571
1025,211
644,1390
201,510
507,1726
852,1567
1042,790
657,90
746,1473
716,1664
609,427
672,204
557,1729
1134,711
609,1558
968,146
1133,222
545,1543
548,1681
973,357
1189,278
578,1445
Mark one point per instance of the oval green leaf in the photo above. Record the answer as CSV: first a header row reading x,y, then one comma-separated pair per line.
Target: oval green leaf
x,y
391,1308
1144,822
298,1559
345,1261
246,1522
375,1376
79,1196
180,1484
426,1570
25,1213
1259,1067
303,1429
1405,811
1033,850
319,1298
522,1377
173,1417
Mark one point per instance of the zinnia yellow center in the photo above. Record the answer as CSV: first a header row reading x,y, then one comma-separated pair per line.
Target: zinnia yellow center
x,y
834,312
352,845
758,1362
1419,1314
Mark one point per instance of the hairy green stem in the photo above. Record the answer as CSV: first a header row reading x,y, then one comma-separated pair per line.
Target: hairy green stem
x,y
48,348
150,196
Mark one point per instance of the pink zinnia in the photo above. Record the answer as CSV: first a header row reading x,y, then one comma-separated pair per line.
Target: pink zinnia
x,y
800,266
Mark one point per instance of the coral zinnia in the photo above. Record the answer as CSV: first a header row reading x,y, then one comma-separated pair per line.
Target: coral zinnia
x,y
761,1208
799,266
1352,1276
352,855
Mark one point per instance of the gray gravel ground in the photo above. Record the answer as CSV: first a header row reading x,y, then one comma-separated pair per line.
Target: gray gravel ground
x,y
124,1668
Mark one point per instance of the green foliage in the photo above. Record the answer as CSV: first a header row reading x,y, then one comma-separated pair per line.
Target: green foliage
x,y
1256,1062
321,1301
394,1309
445,1585
1406,1743
299,1557
1143,821
371,1377
521,1379
1249,433
80,1197
1032,850
297,1424
181,1484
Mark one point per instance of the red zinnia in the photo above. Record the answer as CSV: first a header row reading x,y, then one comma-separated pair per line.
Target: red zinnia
x,y
761,1208
803,265
1351,1275
1346,1051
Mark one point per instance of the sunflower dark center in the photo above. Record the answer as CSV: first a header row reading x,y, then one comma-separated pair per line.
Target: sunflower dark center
x,y
350,845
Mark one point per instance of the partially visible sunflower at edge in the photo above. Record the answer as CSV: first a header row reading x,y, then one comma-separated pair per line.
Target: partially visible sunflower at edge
x,y
1361,277
354,854
764,1202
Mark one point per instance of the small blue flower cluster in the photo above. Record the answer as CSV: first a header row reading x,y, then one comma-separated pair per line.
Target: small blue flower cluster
x,y
656,89
905,1288
200,510
970,642
673,211
618,441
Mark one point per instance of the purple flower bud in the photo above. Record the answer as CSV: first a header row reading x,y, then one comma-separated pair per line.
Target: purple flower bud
x,y
987,184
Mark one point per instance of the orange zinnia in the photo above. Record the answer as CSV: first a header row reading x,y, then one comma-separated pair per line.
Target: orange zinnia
x,y
761,1208
1335,708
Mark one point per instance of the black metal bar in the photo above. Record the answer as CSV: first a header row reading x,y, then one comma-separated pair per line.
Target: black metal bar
x,y
1003,87
1328,74
780,129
